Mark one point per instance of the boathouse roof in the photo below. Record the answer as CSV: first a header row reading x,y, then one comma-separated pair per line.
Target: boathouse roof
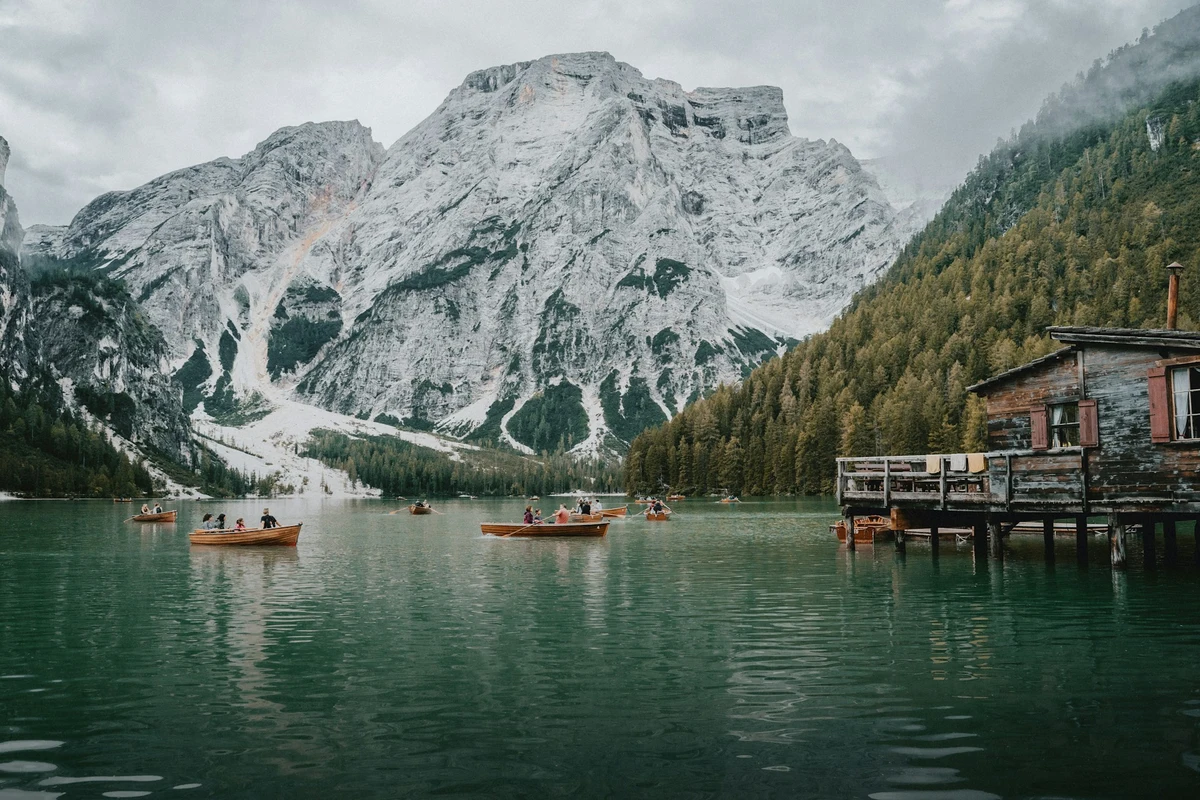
x,y
1073,336
1009,374
1132,337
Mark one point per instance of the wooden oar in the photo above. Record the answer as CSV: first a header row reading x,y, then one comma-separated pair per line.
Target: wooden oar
x,y
518,530
434,510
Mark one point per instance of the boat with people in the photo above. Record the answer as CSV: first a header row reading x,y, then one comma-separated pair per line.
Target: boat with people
x,y
506,529
122,499
280,536
730,499
420,508
676,497
160,516
657,516
614,513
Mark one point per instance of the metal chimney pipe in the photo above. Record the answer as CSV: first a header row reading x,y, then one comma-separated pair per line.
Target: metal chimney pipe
x,y
1173,295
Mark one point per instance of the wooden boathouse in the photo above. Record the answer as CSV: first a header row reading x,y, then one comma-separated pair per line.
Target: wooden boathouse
x,y
1107,425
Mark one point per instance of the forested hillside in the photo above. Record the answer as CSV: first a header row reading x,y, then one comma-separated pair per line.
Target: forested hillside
x,y
1071,221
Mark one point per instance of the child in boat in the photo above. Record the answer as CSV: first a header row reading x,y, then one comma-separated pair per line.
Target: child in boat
x,y
528,520
240,525
267,520
537,517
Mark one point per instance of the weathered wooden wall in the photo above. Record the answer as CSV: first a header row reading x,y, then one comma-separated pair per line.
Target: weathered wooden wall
x,y
1008,404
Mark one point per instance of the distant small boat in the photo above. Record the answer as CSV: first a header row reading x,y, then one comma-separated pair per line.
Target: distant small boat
x,y
122,499
282,536
467,497
641,501
165,516
414,509
659,516
504,529
614,513
676,497
587,517
533,497
729,500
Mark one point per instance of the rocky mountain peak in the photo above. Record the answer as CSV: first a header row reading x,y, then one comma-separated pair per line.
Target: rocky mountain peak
x,y
563,251
4,153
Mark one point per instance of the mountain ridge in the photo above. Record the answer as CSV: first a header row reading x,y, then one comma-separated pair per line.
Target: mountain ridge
x,y
560,220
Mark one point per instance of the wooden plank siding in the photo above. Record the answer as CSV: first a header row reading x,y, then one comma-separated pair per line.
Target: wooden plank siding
x,y
1008,404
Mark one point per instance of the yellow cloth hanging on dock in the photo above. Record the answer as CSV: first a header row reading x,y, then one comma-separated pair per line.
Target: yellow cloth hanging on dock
x,y
933,464
976,462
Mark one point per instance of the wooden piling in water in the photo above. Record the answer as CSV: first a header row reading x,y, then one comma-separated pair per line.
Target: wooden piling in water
x,y
1170,544
1081,540
979,540
933,540
850,532
900,541
995,539
1149,556
1048,537
1116,541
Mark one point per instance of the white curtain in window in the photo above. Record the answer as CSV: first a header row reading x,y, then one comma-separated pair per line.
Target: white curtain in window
x,y
1180,387
1056,414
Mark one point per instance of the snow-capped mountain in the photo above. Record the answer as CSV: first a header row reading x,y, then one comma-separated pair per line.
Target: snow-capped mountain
x,y
563,251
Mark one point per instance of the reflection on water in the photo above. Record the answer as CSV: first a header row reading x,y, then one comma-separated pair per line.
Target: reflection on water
x,y
734,651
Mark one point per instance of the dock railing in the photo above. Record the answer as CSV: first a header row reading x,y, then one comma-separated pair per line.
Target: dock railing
x,y
1000,480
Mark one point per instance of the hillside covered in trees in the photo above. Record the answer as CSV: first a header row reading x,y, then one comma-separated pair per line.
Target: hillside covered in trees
x,y
1069,222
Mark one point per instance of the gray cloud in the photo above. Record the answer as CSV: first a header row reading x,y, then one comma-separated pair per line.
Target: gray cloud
x,y
101,96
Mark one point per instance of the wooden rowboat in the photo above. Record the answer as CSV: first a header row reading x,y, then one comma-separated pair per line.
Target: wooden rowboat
x,y
729,500
866,529
283,536
166,516
122,499
676,497
661,516
643,502
614,513
420,510
587,517
505,529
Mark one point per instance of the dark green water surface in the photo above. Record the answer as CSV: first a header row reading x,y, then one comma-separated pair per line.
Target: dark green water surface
x,y
735,651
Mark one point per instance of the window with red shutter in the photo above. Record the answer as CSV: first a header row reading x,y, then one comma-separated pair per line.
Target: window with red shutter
x,y
1160,411
1089,424
1039,429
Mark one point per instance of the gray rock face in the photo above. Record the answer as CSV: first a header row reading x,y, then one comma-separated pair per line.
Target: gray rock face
x,y
15,352
90,332
559,220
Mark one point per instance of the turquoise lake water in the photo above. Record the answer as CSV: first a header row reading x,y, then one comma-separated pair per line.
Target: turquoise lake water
x,y
734,651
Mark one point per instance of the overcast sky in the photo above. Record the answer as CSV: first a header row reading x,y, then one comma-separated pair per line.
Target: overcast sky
x,y
101,96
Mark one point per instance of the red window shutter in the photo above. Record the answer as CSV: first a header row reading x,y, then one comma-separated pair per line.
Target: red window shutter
x,y
1037,423
1160,409
1089,425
